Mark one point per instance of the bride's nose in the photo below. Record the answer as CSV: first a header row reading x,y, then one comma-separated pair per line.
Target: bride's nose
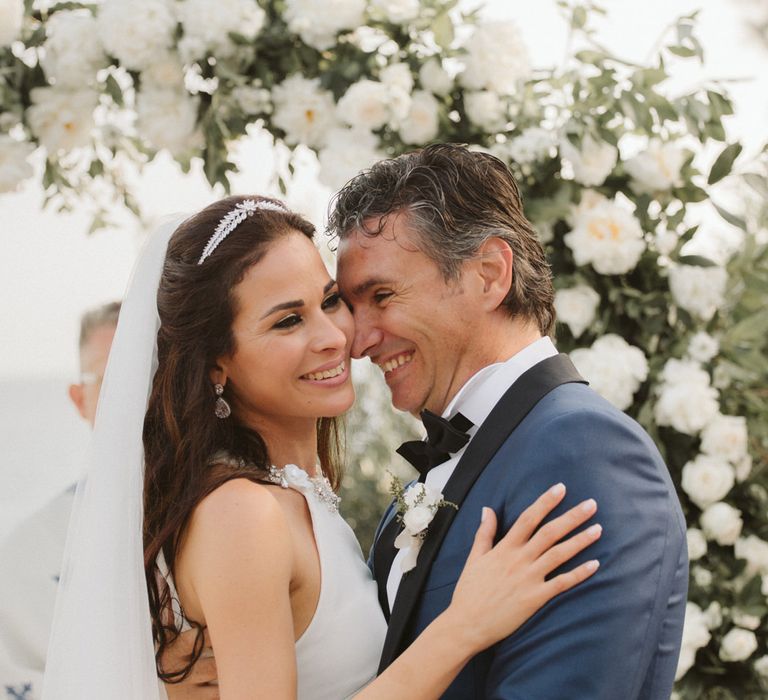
x,y
328,335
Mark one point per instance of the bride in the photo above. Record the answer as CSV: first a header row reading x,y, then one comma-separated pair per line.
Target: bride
x,y
229,369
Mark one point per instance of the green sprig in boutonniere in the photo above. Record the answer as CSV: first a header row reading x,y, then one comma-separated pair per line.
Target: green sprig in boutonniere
x,y
416,507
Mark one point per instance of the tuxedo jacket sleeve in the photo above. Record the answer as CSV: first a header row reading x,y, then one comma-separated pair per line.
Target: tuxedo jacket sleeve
x,y
616,635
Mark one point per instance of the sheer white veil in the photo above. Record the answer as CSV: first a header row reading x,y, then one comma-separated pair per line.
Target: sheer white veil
x,y
101,641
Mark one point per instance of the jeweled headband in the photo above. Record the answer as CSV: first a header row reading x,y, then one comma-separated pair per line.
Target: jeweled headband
x,y
233,219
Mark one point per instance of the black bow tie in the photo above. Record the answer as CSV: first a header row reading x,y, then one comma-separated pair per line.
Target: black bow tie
x,y
443,438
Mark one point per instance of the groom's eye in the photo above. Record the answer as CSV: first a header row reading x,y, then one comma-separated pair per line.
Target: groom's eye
x,y
381,296
332,301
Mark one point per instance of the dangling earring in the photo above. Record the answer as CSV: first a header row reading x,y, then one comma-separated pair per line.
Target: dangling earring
x,y
221,409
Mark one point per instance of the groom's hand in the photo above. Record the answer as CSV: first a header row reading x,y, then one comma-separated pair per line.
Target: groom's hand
x,y
202,681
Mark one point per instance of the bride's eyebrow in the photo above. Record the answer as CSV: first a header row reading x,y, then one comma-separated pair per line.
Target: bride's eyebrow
x,y
296,303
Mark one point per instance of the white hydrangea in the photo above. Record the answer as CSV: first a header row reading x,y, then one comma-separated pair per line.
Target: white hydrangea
x,y
14,162
11,18
207,24
73,52
608,237
395,11
701,577
166,72
737,645
761,666
698,290
755,551
722,523
591,163
62,119
745,619
577,307
345,154
485,109
168,119
697,543
686,400
397,75
496,58
365,105
614,368
743,468
695,636
435,78
726,437
534,144
657,167
318,23
253,99
702,347
707,479
303,110
714,615
422,123
136,32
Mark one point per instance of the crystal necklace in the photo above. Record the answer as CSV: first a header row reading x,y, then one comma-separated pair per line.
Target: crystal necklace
x,y
292,476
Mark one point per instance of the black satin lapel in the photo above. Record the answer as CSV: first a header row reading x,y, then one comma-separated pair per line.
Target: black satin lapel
x,y
383,555
506,415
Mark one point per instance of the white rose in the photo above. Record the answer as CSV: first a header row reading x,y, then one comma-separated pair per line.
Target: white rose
x,y
496,58
666,241
725,437
62,119
695,635
414,494
397,75
745,619
737,645
435,78
698,290
608,237
208,23
685,661
345,154
697,543
577,307
304,110
714,615
707,479
11,19
73,52
761,666
168,119
534,144
422,123
486,110
365,105
417,519
755,551
722,523
396,11
702,577
590,199
702,347
136,32
318,23
614,368
412,545
592,163
686,401
14,162
656,168
743,468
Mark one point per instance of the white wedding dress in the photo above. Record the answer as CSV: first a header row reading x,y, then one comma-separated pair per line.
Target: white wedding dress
x,y
338,653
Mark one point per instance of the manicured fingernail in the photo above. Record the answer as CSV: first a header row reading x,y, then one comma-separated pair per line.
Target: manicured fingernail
x,y
484,515
594,531
593,565
589,505
557,489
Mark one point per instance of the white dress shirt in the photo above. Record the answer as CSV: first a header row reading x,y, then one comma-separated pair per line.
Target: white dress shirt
x,y
475,400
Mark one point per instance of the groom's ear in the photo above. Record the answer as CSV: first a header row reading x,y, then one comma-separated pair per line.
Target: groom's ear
x,y
493,263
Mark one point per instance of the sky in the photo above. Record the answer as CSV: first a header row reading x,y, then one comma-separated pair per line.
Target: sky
x,y
50,270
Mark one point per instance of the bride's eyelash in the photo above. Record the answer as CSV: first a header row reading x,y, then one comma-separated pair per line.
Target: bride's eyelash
x,y
288,321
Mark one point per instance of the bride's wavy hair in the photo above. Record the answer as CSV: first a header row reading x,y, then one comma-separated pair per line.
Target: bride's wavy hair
x,y
197,305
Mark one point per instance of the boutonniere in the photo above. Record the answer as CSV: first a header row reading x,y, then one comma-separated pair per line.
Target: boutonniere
x,y
416,507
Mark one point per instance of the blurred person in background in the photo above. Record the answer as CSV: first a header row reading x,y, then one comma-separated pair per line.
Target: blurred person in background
x,y
30,557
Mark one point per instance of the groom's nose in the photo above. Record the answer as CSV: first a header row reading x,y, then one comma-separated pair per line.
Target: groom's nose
x,y
367,337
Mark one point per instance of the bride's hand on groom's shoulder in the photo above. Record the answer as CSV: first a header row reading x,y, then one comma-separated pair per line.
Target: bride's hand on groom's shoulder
x,y
502,586
201,683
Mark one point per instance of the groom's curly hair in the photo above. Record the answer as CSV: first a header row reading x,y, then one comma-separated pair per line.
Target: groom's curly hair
x,y
454,199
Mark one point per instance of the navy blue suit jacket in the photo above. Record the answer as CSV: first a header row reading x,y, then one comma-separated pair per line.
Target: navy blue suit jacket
x,y
618,634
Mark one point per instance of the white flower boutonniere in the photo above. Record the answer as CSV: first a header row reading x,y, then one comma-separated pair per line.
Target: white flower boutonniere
x,y
416,508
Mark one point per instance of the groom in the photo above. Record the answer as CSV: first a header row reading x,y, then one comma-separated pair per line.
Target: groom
x,y
453,300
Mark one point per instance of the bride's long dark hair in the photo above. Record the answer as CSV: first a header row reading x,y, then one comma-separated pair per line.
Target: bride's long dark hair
x,y
196,305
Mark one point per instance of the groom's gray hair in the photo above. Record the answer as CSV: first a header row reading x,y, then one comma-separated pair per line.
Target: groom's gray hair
x,y
455,199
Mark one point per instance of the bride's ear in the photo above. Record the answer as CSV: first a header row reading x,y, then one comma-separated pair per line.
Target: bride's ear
x,y
218,375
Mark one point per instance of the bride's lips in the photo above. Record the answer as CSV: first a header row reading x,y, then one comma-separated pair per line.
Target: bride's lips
x,y
329,375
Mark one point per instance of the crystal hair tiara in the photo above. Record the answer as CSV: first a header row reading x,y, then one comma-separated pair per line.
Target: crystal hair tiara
x,y
233,219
